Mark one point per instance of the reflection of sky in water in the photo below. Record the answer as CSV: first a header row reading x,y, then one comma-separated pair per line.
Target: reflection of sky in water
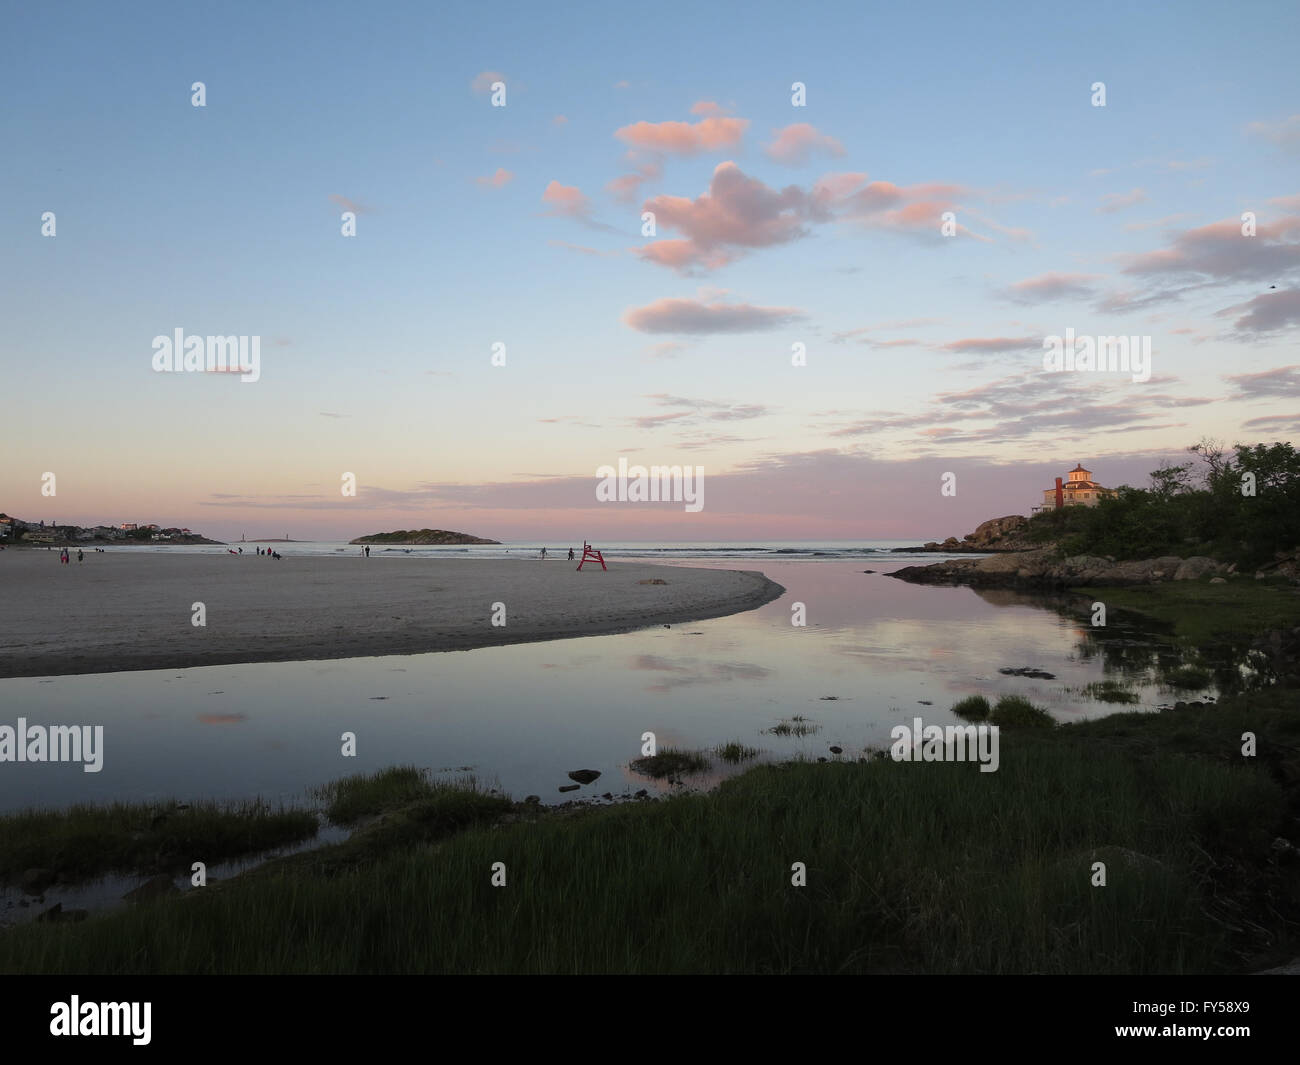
x,y
524,715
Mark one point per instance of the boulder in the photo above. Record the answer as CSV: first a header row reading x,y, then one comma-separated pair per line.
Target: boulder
x,y
1195,567
584,776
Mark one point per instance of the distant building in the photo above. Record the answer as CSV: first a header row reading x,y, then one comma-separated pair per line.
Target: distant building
x,y
128,526
1079,490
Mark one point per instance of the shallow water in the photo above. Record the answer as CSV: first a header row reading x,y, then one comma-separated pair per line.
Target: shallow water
x,y
873,652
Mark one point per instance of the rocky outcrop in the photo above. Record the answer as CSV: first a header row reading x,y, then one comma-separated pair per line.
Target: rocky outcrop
x,y
996,534
1042,568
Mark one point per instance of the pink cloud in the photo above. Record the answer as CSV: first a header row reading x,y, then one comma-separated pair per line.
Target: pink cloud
x,y
708,108
497,180
793,144
482,83
1284,133
737,211
1219,251
708,316
684,138
1268,313
1051,286
626,188
559,120
566,200
1117,201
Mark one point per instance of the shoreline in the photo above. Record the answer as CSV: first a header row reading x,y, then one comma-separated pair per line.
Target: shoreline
x,y
125,612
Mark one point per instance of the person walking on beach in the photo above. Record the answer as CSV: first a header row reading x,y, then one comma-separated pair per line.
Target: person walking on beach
x,y
367,551
570,554
543,552
80,556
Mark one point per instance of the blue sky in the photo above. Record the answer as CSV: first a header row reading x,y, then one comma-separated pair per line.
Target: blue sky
x,y
922,355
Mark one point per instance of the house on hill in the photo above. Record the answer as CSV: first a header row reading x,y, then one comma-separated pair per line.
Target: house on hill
x,y
1078,490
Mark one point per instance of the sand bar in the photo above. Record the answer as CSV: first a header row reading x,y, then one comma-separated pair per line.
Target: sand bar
x,y
125,610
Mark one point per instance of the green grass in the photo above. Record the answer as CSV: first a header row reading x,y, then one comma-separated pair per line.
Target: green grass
x,y
1110,691
671,762
1199,612
795,726
365,795
1187,678
972,708
735,753
911,868
84,840
1015,711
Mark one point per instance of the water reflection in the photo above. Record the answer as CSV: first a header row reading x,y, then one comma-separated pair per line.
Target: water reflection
x,y
874,651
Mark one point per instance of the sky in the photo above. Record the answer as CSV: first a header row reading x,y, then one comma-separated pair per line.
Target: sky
x,y
798,325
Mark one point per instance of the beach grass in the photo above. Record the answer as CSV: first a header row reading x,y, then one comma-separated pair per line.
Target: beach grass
x,y
671,762
972,708
368,794
1199,613
795,726
83,841
1015,711
911,868
1110,691
1187,678
735,752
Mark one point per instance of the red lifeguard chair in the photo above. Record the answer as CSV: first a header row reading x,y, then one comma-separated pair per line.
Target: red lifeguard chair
x,y
590,554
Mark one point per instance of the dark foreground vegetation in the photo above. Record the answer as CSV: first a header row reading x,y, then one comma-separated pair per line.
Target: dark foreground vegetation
x,y
911,867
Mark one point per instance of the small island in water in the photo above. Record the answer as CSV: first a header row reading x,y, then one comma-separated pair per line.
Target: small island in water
x,y
421,537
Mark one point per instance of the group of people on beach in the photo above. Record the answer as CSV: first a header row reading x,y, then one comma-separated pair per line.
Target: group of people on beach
x,y
65,556
268,553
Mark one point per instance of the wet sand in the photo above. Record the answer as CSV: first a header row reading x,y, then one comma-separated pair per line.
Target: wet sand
x,y
128,610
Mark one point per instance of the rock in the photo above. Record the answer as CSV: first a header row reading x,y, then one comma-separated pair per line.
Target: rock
x,y
568,787
641,794
837,750
532,798
1216,580
584,776
156,887
35,881
608,795
1025,671
868,571
820,759
1193,568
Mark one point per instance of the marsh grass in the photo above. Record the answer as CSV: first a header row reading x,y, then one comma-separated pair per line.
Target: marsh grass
x,y
1015,711
88,840
972,708
367,794
671,762
795,726
734,753
1110,691
933,867
1186,678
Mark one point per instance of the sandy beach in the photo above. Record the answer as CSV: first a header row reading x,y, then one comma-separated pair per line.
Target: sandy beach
x,y
126,610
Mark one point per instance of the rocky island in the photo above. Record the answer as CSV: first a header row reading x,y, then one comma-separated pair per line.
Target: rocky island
x,y
422,538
